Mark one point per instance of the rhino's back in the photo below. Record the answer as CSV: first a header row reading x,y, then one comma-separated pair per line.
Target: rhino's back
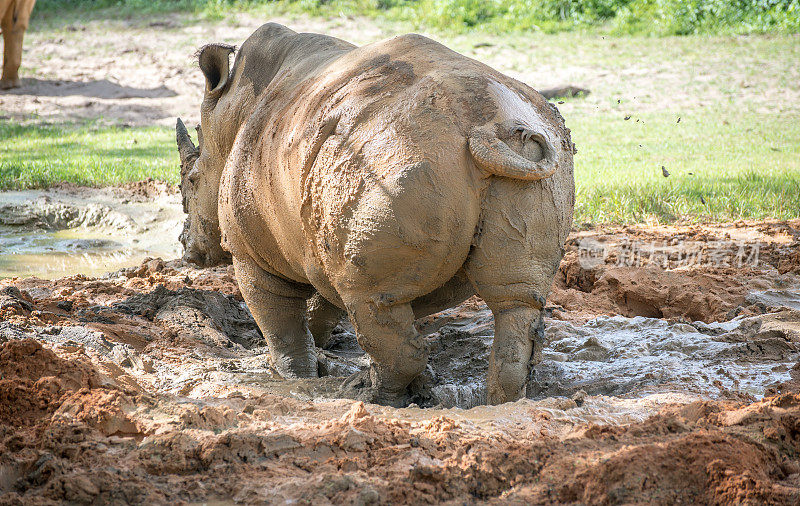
x,y
389,195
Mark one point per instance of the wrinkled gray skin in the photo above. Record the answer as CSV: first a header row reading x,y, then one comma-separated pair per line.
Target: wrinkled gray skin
x,y
390,181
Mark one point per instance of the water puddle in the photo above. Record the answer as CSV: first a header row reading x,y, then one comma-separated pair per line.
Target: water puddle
x,y
89,231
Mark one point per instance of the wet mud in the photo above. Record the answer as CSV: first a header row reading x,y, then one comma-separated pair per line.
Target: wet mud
x,y
153,383
69,229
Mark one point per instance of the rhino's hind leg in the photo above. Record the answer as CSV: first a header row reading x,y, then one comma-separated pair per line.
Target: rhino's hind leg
x,y
512,266
279,308
397,350
516,303
516,347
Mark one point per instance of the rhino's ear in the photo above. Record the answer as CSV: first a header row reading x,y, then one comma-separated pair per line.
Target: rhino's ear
x,y
215,64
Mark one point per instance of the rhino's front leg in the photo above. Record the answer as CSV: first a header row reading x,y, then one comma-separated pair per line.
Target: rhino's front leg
x,y
279,308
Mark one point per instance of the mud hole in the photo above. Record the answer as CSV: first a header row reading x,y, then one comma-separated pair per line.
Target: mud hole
x,y
70,229
670,375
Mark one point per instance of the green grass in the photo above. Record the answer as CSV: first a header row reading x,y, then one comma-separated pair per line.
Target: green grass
x,y
652,17
742,165
38,156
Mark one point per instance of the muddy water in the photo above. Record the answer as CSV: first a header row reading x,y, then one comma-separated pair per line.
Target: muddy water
x,y
610,370
88,231
617,356
635,356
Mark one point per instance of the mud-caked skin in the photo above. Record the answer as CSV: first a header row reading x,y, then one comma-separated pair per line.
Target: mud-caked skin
x,y
14,17
391,181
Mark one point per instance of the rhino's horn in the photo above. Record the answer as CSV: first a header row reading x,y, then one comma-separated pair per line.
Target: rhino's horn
x,y
186,148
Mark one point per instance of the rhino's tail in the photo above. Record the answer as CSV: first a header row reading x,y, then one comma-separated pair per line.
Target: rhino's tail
x,y
493,155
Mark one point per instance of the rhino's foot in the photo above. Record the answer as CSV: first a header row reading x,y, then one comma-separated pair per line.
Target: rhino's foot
x,y
289,367
362,386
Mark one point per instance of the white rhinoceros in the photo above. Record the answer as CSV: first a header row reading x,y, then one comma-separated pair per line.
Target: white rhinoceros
x,y
391,180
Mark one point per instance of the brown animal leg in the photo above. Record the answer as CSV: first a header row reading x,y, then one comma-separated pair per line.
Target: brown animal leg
x,y
322,318
14,23
513,353
279,308
398,353
512,266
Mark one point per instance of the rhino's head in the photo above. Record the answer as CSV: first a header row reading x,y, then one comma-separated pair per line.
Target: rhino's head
x,y
231,95
201,166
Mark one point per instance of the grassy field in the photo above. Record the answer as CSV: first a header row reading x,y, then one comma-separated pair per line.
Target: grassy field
x,y
38,156
721,166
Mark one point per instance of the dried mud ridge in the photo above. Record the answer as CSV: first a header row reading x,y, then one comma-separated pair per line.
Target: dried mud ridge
x,y
152,384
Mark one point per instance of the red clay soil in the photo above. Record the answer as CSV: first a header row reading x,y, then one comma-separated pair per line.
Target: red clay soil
x,y
33,381
68,433
710,269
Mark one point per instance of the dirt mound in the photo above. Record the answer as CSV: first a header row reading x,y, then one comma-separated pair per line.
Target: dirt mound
x,y
147,189
108,411
790,262
44,214
694,272
12,302
707,453
699,295
33,381
211,317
